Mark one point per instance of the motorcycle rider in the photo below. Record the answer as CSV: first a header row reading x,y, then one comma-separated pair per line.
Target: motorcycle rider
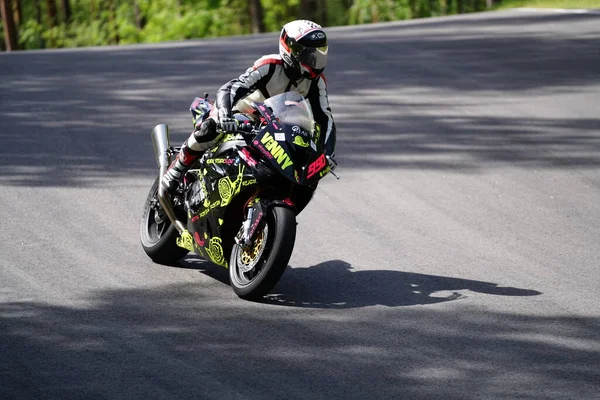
x,y
298,67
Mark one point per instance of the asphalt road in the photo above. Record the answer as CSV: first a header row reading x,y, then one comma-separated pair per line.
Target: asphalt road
x,y
457,258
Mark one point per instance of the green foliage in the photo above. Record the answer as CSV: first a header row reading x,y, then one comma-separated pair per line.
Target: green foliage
x,y
367,11
102,22
277,13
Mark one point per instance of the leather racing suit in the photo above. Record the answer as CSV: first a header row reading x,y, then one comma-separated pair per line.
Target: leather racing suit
x,y
268,77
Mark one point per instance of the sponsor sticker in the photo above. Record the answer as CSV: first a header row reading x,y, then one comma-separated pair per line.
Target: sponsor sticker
x,y
280,137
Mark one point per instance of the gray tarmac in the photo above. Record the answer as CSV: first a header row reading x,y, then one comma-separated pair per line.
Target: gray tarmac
x,y
457,258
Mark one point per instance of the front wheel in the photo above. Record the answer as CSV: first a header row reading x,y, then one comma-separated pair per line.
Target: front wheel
x,y
255,269
157,234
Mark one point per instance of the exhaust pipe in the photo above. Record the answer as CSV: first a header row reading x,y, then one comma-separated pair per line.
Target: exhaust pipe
x,y
161,143
162,151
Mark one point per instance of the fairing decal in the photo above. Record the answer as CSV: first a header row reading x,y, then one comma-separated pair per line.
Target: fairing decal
x,y
215,251
186,241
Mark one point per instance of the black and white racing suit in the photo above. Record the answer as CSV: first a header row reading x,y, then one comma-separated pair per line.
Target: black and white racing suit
x,y
268,78
265,79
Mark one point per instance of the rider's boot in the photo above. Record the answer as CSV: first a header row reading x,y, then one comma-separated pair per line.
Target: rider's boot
x,y
194,147
185,158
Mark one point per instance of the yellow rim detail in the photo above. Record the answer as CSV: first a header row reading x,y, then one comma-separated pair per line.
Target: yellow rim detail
x,y
251,252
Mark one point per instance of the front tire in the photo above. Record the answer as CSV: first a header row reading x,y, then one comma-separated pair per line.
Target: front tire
x,y
254,270
157,234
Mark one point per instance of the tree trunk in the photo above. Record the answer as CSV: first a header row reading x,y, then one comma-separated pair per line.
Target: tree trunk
x,y
112,23
18,13
137,13
38,19
10,31
52,16
256,16
309,10
66,6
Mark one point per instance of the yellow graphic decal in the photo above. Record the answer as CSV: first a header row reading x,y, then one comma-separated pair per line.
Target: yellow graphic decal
x,y
229,137
227,161
229,188
215,251
186,241
276,150
299,140
225,189
317,132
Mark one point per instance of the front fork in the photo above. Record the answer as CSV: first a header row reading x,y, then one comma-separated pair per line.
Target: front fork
x,y
256,210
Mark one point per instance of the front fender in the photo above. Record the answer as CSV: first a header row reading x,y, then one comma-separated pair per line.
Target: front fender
x,y
261,208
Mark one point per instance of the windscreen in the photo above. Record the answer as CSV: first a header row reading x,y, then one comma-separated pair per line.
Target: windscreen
x,y
292,109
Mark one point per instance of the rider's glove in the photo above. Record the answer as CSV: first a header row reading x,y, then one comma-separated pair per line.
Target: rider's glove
x,y
227,123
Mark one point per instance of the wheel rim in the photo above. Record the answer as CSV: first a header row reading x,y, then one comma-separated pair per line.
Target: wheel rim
x,y
249,259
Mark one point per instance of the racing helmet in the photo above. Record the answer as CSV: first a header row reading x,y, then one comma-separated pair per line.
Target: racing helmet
x,y
303,49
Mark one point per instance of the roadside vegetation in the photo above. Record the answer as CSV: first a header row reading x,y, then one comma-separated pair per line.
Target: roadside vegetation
x,y
38,24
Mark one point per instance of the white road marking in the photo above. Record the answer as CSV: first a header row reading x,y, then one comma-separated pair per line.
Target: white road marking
x,y
561,10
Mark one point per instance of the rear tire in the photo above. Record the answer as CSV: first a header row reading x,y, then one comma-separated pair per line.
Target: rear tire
x,y
157,235
252,280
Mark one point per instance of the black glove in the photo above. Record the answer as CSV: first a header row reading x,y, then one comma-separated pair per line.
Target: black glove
x,y
228,124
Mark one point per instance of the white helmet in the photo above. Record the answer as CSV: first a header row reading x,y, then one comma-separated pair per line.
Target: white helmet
x,y
303,49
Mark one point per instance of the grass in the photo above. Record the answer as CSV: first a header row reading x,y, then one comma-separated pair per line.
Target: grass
x,y
548,4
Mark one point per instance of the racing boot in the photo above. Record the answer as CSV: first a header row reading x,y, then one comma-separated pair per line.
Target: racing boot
x,y
171,179
201,139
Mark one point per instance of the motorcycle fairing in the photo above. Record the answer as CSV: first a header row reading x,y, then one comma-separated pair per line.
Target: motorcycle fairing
x,y
221,179
231,168
281,145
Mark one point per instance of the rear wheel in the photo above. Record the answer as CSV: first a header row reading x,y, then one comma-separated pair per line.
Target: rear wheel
x,y
255,269
157,234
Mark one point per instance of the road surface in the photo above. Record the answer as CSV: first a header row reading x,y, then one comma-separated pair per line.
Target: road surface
x,y
457,258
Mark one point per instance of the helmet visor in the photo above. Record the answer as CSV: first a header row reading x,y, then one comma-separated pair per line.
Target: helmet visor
x,y
314,57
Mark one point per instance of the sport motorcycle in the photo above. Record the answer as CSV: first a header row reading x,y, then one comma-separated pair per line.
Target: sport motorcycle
x,y
237,205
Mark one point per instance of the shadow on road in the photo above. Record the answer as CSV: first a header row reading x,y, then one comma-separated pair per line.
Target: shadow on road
x,y
333,284
82,118
176,341
216,272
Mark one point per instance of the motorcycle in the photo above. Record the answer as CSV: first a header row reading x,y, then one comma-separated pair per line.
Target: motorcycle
x,y
237,205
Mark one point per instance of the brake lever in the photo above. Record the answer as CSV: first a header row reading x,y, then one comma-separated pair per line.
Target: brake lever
x,y
332,165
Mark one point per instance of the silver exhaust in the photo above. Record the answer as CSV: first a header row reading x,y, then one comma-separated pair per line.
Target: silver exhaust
x,y
162,145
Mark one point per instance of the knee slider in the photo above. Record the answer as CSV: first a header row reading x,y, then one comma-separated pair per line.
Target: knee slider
x,y
207,131
205,137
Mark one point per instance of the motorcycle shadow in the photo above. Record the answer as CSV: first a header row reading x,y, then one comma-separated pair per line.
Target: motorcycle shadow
x,y
334,284
214,271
